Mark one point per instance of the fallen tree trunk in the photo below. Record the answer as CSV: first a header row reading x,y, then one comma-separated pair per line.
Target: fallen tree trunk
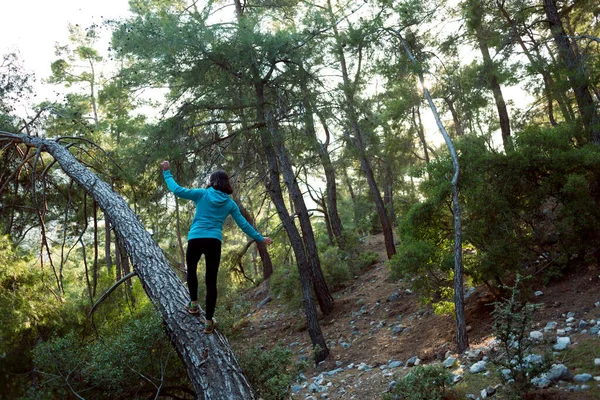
x,y
208,359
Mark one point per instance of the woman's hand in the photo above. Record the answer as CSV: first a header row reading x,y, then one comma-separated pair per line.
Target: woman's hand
x,y
165,165
267,240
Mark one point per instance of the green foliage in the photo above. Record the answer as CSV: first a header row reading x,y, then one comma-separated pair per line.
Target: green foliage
x,y
533,209
429,382
270,372
513,320
285,284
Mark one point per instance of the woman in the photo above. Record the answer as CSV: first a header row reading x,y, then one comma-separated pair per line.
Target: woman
x,y
213,205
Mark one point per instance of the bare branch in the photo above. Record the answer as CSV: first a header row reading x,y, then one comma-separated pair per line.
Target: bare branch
x,y
112,289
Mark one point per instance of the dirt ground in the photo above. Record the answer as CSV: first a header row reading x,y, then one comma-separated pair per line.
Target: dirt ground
x,y
370,307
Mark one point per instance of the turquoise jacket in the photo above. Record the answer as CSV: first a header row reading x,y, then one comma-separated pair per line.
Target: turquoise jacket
x,y
212,208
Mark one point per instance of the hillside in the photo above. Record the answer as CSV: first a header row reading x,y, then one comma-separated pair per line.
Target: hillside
x,y
379,329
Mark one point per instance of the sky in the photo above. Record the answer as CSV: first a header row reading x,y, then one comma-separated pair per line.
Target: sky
x,y
32,27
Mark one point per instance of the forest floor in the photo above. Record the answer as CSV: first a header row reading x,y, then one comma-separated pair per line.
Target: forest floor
x,y
377,322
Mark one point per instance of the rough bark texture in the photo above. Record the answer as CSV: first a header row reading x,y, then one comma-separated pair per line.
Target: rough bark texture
x,y
208,359
322,292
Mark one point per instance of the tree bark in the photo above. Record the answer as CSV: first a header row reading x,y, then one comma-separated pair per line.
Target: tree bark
x,y
265,258
576,74
462,340
208,359
322,292
494,85
357,139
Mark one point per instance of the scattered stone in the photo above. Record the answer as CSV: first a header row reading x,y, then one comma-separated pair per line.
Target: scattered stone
x,y
394,297
397,329
469,292
561,332
345,345
570,314
391,386
558,372
413,361
536,335
395,364
539,293
471,396
297,388
533,359
597,362
338,364
363,367
335,371
301,377
264,302
360,302
488,392
541,382
449,362
550,326
506,374
583,324
597,304
478,367
562,343
474,355
594,330
569,320
597,378
350,366
456,378
582,378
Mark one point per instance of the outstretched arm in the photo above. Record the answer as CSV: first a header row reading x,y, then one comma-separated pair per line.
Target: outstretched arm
x,y
184,193
247,228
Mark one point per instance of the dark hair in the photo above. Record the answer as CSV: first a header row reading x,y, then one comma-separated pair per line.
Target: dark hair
x,y
219,180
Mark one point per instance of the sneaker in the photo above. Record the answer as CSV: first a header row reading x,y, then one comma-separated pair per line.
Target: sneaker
x,y
209,327
192,308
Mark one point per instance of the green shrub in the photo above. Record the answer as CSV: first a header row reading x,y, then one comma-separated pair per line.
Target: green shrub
x,y
285,285
429,382
334,263
513,320
535,207
270,372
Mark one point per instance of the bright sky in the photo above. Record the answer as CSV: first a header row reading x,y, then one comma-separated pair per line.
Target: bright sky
x,y
32,27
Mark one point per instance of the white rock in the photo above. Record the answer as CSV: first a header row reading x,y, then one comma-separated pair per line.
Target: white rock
x,y
539,293
478,367
550,326
449,362
570,319
536,335
597,362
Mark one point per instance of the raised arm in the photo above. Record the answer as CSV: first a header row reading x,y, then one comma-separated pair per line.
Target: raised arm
x,y
246,227
184,193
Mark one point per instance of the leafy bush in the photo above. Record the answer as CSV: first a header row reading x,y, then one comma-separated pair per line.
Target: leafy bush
x,y
285,284
535,208
430,382
270,372
513,320
334,263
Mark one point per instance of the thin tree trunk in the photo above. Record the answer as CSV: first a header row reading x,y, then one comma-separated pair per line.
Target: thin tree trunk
x,y
179,239
352,196
576,75
457,124
95,264
358,141
494,85
208,359
322,292
462,339
420,131
265,258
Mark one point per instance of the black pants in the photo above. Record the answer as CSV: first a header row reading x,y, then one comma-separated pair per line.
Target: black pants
x,y
211,248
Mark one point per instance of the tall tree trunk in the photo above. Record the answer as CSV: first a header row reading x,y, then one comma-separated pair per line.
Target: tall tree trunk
x,y
335,223
576,74
322,292
352,196
357,140
179,239
420,131
457,124
274,189
494,85
208,359
107,240
95,265
462,340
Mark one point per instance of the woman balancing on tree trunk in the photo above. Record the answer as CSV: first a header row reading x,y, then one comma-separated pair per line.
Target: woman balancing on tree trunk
x,y
213,205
